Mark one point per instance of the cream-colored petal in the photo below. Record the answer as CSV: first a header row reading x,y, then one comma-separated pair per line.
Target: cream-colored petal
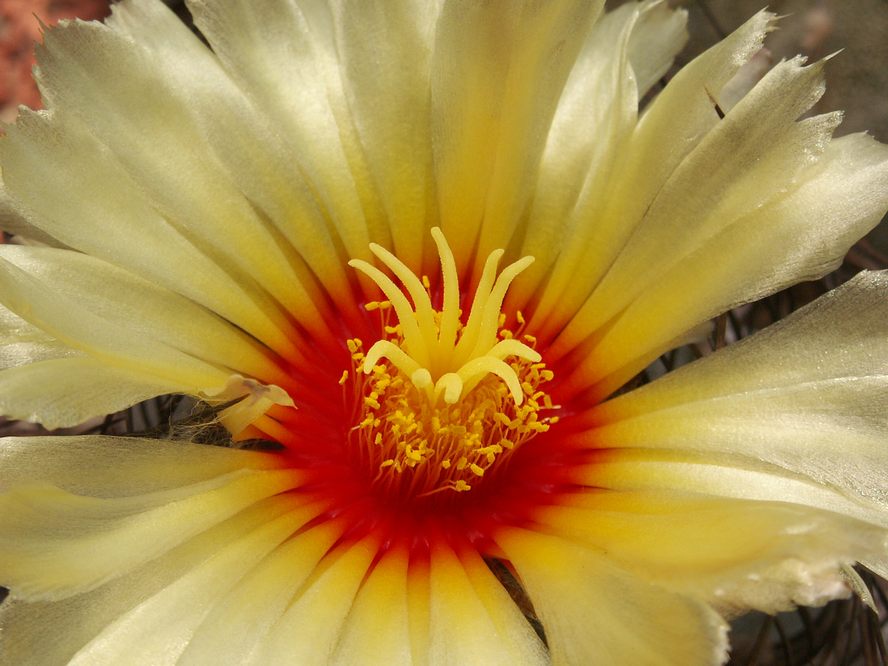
x,y
800,236
658,36
596,613
377,630
283,55
734,554
155,632
77,620
49,537
143,120
745,161
119,466
256,155
672,127
473,619
807,395
62,315
14,220
238,624
65,392
386,84
309,630
22,343
140,310
86,199
497,73
594,118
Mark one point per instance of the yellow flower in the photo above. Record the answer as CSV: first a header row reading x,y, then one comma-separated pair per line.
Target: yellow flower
x,y
304,225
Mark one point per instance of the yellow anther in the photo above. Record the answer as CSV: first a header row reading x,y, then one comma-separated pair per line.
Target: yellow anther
x,y
476,470
343,378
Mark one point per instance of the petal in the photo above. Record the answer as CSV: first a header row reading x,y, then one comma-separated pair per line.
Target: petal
x,y
65,392
671,128
256,155
49,535
733,554
107,88
157,630
596,613
309,630
237,626
388,78
807,395
659,35
592,122
22,343
377,630
283,55
80,180
473,619
140,310
798,236
119,466
493,99
77,620
62,316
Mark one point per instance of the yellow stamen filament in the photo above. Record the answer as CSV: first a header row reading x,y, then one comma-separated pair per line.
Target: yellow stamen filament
x,y
440,399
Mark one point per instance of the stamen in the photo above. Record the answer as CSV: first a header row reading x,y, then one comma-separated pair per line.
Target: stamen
x,y
439,402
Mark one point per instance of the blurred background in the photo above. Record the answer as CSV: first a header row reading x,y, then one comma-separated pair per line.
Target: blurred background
x,y
843,633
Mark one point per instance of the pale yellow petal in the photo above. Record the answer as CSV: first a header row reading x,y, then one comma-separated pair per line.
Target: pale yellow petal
x,y
658,36
670,129
62,316
119,466
734,554
807,395
253,152
65,392
377,630
77,620
85,199
283,55
309,630
140,310
595,613
386,79
800,236
473,619
22,343
238,624
155,632
743,163
497,73
143,120
49,537
594,118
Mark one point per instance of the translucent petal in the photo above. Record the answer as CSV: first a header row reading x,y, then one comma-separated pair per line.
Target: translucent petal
x,y
807,395
49,537
734,554
595,613
493,100
77,620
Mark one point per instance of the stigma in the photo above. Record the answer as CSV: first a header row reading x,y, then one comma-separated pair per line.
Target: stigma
x,y
440,355
439,400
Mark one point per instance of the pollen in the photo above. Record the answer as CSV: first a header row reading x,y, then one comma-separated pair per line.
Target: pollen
x,y
439,402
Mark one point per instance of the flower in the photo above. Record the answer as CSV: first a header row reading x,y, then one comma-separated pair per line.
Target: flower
x,y
303,226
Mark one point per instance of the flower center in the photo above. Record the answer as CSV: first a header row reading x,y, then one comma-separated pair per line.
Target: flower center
x,y
439,402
